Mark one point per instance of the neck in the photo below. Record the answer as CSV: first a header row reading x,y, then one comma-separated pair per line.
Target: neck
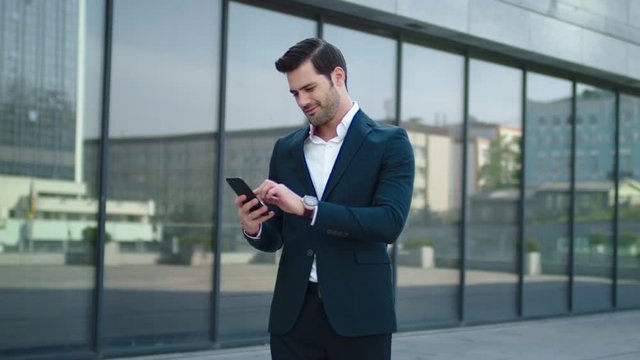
x,y
329,130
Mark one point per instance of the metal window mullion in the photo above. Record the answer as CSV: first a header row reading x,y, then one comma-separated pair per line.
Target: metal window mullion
x,y
398,89
214,330
398,114
521,207
320,27
102,182
616,208
462,238
572,214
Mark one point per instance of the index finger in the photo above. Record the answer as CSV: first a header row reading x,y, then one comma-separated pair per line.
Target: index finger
x,y
265,184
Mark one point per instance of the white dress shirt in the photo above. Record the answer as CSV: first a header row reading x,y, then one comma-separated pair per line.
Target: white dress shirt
x,y
320,157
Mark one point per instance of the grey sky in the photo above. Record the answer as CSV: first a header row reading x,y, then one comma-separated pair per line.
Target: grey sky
x,y
165,72
495,93
545,88
164,67
432,85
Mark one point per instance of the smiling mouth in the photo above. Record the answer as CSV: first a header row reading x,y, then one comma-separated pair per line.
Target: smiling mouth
x,y
310,110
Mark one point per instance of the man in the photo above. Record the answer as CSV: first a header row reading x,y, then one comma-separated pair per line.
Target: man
x,y
339,190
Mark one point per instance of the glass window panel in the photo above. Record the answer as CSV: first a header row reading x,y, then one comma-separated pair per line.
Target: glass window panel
x,y
629,203
594,198
371,62
548,195
259,109
493,177
50,81
161,179
428,253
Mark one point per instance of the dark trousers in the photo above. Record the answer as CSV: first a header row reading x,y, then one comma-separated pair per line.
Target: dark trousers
x,y
313,338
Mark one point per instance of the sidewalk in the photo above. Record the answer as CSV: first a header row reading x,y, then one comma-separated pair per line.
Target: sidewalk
x,y
614,336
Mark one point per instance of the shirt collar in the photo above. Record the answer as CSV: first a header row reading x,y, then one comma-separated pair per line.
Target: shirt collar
x,y
341,129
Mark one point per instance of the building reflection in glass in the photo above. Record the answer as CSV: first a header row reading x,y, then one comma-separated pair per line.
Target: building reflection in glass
x,y
161,173
493,180
428,250
161,182
259,110
371,83
629,203
47,211
547,207
594,199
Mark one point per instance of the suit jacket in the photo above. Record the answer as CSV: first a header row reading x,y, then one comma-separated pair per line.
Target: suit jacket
x,y
364,207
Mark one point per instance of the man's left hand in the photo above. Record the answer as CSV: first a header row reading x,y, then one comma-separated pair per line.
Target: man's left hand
x,y
281,196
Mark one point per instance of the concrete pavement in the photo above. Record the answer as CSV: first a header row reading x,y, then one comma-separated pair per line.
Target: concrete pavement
x,y
603,336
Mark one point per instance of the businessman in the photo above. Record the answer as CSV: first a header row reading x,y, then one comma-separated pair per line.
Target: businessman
x,y
338,192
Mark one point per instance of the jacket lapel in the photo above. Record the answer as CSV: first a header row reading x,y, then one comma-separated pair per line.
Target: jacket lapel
x,y
356,134
297,154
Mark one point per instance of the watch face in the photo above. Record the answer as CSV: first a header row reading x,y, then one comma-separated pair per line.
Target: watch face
x,y
310,200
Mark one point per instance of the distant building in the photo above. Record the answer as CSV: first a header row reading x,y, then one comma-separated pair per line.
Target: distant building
x,y
39,130
162,167
433,151
39,215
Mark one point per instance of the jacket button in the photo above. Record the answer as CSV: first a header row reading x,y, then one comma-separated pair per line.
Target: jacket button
x,y
310,252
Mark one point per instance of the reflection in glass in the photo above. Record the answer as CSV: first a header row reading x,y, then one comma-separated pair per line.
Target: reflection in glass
x,y
629,203
48,84
428,251
493,178
594,200
162,141
548,195
371,62
259,110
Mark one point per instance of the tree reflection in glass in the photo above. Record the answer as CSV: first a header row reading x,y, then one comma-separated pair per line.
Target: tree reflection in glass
x,y
547,204
493,194
594,200
629,203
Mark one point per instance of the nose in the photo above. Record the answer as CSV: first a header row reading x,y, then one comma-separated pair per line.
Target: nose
x,y
302,99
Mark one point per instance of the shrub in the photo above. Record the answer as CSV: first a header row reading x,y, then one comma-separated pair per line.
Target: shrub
x,y
90,235
628,239
417,242
531,245
597,238
192,240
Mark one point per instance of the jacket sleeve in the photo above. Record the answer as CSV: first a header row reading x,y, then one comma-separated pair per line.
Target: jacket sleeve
x,y
271,236
384,220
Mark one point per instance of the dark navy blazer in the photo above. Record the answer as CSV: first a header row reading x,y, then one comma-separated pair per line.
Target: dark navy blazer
x,y
364,207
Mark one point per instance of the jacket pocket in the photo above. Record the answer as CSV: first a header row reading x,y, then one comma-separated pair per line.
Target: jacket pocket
x,y
372,257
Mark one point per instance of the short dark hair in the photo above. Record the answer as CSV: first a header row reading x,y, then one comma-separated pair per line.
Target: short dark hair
x,y
324,57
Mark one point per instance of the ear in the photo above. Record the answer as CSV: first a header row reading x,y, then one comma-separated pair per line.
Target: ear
x,y
338,76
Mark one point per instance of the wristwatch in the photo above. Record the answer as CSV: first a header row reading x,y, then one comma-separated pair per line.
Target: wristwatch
x,y
310,204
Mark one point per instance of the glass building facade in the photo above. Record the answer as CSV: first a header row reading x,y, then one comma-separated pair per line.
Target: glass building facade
x,y
119,118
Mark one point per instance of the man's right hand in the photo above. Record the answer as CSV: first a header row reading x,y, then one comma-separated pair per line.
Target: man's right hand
x,y
252,220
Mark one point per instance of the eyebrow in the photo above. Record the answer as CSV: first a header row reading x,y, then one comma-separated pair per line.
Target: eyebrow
x,y
293,91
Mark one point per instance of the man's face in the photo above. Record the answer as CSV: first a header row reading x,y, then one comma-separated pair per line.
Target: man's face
x,y
314,93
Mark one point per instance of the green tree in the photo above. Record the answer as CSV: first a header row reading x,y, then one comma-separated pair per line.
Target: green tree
x,y
90,235
502,169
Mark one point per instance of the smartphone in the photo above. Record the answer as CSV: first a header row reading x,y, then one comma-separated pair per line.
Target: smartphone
x,y
241,188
